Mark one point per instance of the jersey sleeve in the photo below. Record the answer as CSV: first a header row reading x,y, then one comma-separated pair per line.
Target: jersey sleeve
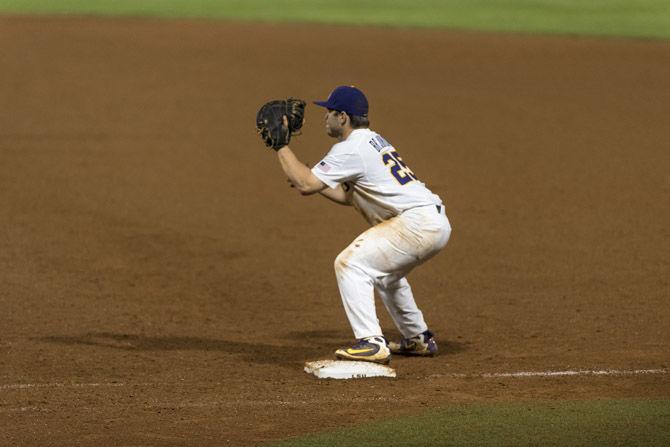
x,y
338,166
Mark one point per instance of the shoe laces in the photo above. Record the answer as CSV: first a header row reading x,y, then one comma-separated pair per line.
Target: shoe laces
x,y
370,341
423,339
408,343
360,343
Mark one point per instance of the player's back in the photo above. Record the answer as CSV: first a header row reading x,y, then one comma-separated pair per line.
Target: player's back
x,y
386,186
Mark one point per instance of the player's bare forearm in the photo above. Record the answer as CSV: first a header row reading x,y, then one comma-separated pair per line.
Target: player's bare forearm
x,y
337,195
300,176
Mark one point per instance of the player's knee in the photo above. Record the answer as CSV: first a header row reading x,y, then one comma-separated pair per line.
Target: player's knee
x,y
339,263
342,261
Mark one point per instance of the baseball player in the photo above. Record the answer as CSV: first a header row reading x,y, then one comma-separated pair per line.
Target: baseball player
x,y
408,226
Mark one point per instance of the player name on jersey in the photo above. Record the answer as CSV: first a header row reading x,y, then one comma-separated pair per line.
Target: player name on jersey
x,y
379,143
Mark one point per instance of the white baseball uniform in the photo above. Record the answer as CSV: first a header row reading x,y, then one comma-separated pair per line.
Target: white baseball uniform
x,y
409,226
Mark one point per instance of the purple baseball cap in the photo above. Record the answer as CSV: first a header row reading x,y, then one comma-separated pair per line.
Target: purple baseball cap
x,y
348,99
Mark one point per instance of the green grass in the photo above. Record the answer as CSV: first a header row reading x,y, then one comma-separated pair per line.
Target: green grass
x,y
632,18
565,423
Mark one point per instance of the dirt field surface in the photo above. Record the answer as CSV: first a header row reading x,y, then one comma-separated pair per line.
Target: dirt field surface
x,y
162,285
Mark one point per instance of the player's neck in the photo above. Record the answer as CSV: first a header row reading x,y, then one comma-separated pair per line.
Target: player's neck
x,y
345,133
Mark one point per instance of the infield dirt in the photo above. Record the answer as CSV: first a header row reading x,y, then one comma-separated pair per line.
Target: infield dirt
x,y
162,284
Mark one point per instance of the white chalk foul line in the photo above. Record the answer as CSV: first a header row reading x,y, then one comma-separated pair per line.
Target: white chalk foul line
x,y
601,372
604,372
583,372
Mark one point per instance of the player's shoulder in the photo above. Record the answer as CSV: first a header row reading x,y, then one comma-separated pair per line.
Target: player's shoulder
x,y
376,142
361,141
342,147
353,142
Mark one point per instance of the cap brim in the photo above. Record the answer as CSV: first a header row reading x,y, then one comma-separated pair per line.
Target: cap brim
x,y
322,104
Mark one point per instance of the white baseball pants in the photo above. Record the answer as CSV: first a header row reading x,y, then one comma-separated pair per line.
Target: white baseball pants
x,y
379,259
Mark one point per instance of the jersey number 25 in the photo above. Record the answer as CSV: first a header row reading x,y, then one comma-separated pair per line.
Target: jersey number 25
x,y
399,169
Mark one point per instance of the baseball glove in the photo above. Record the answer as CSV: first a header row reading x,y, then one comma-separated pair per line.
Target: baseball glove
x,y
270,121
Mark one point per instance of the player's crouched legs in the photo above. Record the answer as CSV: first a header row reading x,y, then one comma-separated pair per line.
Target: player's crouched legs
x,y
357,292
417,339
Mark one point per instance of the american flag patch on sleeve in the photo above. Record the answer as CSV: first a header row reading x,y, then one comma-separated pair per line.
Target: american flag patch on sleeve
x,y
323,166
